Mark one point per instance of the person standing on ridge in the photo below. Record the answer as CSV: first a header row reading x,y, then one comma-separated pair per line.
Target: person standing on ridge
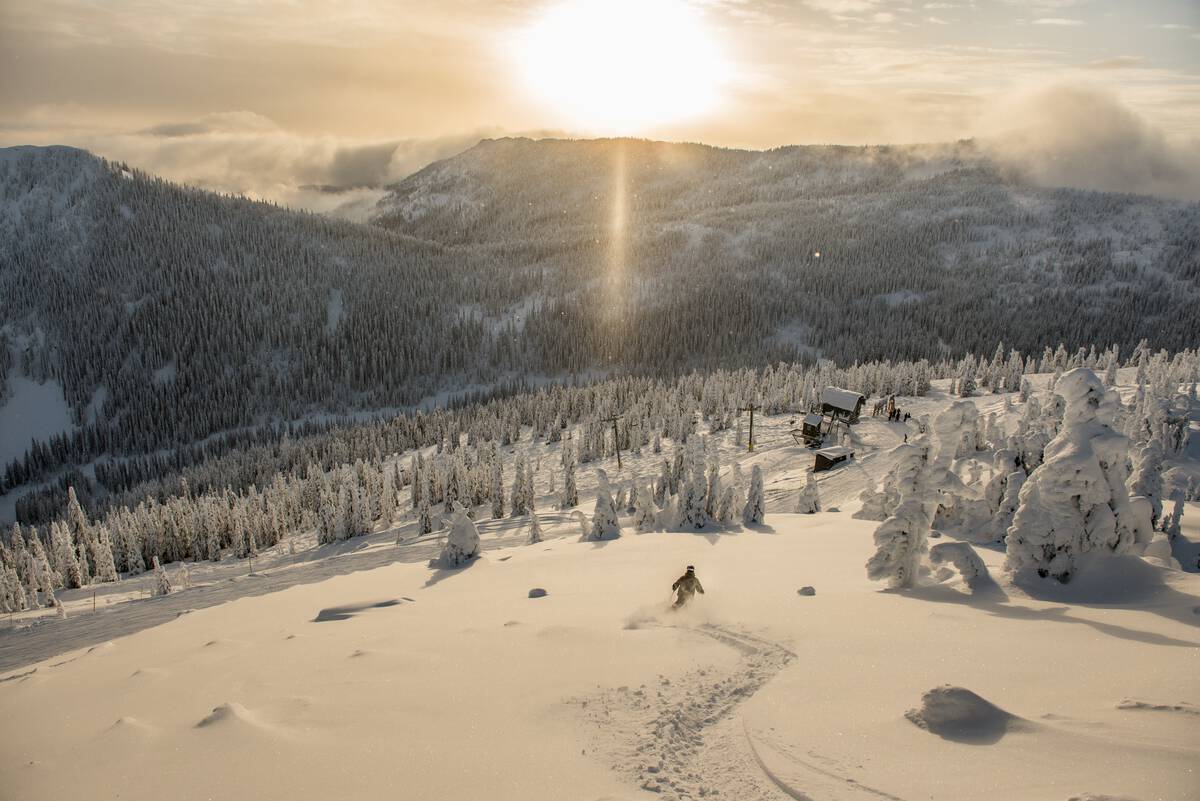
x,y
686,586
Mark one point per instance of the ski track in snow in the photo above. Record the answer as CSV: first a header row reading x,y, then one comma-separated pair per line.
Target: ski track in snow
x,y
681,739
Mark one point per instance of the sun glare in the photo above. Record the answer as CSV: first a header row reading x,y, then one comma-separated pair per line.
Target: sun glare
x,y
620,66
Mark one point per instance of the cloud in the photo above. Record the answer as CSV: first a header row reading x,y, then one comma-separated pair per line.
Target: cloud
x,y
1059,21
222,122
1117,63
241,152
1087,138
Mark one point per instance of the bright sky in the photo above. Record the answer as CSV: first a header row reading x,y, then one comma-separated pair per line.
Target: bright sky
x,y
260,96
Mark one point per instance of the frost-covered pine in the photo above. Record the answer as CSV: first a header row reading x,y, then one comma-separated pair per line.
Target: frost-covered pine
x,y
64,555
519,507
966,377
1009,502
462,541
570,492
527,489
496,486
728,505
13,597
40,564
102,555
755,510
1077,501
1147,478
692,514
424,516
162,582
645,516
920,483
535,529
634,492
712,494
605,523
212,541
900,542
185,576
387,498
874,506
1173,522
809,501
663,487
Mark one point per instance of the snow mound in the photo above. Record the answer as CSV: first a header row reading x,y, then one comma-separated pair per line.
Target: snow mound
x,y
956,713
1183,707
1100,797
230,714
127,724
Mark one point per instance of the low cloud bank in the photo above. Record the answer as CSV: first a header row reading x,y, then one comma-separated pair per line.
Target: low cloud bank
x,y
1088,139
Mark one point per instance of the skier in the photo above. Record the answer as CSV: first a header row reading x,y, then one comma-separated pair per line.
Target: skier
x,y
686,586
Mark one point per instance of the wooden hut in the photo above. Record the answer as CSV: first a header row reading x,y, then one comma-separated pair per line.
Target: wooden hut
x,y
829,458
841,405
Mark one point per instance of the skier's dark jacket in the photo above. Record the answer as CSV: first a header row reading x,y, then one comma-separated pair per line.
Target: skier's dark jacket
x,y
688,584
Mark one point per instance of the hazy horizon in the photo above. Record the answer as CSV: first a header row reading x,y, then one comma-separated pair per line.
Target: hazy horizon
x,y
269,98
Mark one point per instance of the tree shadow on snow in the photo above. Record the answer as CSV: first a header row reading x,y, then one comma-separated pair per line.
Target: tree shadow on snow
x,y
441,573
994,601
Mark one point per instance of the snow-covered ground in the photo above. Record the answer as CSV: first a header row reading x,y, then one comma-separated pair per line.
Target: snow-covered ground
x,y
455,684
355,670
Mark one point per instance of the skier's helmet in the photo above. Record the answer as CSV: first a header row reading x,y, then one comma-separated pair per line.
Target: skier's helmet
x,y
691,569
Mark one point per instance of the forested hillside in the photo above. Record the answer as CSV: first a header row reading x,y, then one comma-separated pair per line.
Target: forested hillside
x,y
857,253
168,314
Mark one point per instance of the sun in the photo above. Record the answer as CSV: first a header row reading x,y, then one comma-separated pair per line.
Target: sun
x,y
621,66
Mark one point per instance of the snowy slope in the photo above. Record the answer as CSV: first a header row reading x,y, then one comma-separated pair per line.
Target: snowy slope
x,y
425,684
355,670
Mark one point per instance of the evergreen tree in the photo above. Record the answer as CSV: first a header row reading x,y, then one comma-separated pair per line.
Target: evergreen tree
x,y
809,501
754,513
162,582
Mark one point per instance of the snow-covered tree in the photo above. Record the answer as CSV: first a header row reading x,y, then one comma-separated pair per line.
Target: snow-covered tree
x,y
424,516
874,505
809,501
755,510
519,507
496,486
570,493
462,541
900,542
1077,501
605,523
1146,480
387,498
102,555
162,582
1002,518
535,529
692,514
645,515
64,555
1172,522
